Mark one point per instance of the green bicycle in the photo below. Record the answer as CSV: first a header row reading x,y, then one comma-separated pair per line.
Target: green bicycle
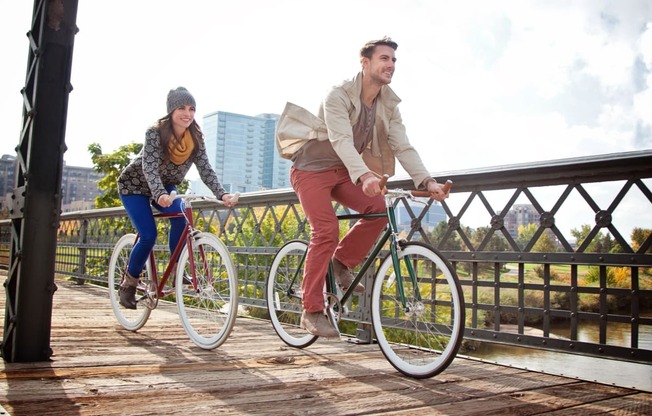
x,y
417,304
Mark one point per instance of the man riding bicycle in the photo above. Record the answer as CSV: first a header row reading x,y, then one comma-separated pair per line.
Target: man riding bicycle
x,y
341,155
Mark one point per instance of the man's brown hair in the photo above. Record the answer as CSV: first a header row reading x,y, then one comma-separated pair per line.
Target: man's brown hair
x,y
368,49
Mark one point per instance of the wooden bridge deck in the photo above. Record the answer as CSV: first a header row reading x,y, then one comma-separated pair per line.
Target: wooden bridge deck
x,y
99,369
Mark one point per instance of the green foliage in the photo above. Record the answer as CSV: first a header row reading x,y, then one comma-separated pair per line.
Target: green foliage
x,y
496,242
545,243
539,270
638,237
111,165
452,242
593,276
525,234
601,243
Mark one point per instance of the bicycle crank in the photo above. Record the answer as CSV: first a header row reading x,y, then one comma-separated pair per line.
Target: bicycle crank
x,y
334,306
151,294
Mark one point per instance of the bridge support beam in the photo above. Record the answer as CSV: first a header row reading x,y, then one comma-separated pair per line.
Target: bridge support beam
x,y
36,199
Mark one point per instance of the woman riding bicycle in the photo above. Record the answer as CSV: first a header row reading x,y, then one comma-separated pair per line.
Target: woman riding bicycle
x,y
172,145
365,133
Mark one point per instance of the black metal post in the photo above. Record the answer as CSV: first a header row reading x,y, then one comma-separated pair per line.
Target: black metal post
x,y
36,200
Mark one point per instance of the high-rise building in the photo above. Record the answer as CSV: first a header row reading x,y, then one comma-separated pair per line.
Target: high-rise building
x,y
7,175
520,215
432,217
242,151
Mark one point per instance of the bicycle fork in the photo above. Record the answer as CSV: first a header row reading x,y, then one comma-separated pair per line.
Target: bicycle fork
x,y
396,245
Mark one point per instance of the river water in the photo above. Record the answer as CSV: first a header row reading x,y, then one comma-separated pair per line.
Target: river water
x,y
605,371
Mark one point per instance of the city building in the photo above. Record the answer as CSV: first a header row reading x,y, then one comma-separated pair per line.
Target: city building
x,y
520,215
242,151
7,179
78,185
433,216
79,188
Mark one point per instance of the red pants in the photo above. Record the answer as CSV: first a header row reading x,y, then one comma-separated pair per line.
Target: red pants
x,y
316,191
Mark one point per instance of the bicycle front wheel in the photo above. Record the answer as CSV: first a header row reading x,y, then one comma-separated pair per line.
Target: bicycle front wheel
x,y
420,331
131,319
283,294
208,307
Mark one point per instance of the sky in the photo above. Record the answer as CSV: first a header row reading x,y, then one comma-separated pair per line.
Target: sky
x,y
483,83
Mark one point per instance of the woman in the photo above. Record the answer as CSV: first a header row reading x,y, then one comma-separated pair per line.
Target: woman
x,y
172,145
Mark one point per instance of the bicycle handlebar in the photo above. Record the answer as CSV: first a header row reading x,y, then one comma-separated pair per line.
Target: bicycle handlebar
x,y
447,187
188,197
400,192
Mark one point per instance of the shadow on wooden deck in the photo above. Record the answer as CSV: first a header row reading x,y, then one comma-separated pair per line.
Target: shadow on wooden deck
x,y
100,369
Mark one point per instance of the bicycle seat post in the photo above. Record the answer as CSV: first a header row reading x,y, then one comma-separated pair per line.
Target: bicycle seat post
x,y
186,206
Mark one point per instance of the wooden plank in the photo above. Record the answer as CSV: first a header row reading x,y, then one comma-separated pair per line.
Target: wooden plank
x,y
99,368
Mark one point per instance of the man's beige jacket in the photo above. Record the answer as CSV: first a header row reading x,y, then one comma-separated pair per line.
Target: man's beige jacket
x,y
337,114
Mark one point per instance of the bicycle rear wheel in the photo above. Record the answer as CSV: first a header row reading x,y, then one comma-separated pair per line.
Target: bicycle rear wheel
x,y
207,308
422,339
131,319
283,294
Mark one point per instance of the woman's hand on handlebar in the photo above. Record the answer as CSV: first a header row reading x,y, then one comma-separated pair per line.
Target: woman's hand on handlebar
x,y
164,200
230,200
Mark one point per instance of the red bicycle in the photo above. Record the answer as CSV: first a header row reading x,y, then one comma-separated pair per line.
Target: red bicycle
x,y
205,285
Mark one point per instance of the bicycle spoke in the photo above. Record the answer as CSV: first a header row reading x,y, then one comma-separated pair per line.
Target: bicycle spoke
x,y
131,319
207,307
283,294
422,338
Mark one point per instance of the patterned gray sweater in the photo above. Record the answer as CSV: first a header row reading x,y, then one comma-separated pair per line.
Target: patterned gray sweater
x,y
150,172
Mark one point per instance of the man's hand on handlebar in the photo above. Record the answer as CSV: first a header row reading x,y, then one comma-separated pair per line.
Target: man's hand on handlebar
x,y
439,191
371,185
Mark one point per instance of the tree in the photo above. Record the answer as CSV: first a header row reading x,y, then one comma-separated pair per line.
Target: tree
x,y
581,234
496,242
602,243
525,234
452,243
545,243
638,236
111,164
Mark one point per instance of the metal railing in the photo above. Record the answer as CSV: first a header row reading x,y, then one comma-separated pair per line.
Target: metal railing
x,y
520,290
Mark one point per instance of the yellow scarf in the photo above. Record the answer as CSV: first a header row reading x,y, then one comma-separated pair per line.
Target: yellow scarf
x,y
180,152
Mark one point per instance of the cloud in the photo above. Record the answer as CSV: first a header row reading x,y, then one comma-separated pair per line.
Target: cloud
x,y
565,77
487,74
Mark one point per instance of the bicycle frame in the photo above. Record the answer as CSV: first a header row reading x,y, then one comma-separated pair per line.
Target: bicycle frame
x,y
389,234
186,238
207,304
417,319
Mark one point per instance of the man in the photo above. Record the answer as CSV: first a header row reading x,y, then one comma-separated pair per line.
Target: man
x,y
359,133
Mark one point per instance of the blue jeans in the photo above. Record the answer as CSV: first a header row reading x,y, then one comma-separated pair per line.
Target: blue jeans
x,y
140,213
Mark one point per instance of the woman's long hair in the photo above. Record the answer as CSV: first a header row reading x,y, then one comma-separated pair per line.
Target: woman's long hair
x,y
164,127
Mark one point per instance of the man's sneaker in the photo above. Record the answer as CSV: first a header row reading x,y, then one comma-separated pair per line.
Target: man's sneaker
x,y
187,280
317,324
127,296
344,277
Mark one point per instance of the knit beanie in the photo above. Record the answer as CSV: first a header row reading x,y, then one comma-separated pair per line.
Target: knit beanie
x,y
179,97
